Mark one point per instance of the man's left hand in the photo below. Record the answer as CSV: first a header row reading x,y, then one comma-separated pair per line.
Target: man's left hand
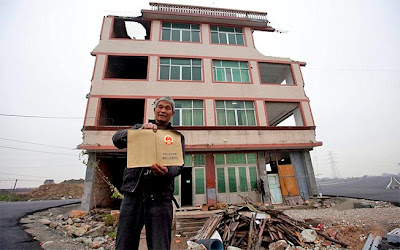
x,y
158,169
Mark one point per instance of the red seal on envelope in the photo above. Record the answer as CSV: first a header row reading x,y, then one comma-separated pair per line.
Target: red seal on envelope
x,y
168,140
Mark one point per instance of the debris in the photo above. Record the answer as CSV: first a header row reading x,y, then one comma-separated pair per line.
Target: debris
x,y
252,227
394,236
77,214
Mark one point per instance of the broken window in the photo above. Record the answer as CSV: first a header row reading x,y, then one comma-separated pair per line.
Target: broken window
x,y
127,67
131,28
121,112
284,114
276,73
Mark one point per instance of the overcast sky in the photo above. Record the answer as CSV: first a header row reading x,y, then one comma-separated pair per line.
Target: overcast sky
x,y
352,78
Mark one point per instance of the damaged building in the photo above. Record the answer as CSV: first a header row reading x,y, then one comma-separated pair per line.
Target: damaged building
x,y
245,116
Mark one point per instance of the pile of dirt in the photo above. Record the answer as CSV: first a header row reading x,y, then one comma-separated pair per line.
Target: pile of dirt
x,y
70,189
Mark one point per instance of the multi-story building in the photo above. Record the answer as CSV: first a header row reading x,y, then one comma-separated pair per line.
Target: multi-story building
x,y
245,116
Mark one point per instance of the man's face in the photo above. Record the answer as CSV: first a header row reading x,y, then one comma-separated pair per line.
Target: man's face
x,y
163,112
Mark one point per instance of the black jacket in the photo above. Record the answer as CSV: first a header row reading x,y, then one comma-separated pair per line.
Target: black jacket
x,y
158,187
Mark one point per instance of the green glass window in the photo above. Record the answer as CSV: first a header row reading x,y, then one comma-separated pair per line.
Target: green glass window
x,y
235,159
243,179
180,69
219,159
180,32
176,186
235,113
232,179
253,177
199,180
227,35
188,160
188,113
221,180
251,158
231,71
199,160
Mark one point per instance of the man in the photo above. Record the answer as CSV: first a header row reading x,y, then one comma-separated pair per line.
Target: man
x,y
148,191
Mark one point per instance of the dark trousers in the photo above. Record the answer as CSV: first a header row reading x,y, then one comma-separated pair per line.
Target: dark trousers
x,y
155,215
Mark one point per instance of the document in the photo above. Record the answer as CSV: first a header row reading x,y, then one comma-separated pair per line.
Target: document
x,y
146,147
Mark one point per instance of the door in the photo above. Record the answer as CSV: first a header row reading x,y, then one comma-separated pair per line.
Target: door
x,y
186,187
287,177
274,188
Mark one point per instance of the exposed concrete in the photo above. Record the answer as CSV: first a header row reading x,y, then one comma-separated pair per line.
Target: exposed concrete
x,y
87,198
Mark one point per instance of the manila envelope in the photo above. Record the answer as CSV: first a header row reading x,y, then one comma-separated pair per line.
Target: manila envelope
x,y
146,147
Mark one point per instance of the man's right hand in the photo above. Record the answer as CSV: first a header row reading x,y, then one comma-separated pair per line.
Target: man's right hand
x,y
150,126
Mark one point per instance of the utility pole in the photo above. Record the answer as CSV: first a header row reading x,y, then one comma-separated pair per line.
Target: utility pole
x,y
15,184
334,169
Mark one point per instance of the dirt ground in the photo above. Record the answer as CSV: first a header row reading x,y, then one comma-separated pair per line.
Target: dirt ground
x,y
341,219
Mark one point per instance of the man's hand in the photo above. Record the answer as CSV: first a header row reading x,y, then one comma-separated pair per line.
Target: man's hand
x,y
158,169
150,126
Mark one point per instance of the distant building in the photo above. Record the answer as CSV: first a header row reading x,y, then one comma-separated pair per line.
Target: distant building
x,y
48,181
246,118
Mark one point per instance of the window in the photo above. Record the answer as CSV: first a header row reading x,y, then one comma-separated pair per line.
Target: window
x,y
121,67
230,71
180,69
226,35
113,112
188,113
284,114
235,113
276,73
180,32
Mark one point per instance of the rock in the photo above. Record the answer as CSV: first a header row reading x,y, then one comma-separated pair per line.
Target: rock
x,y
52,225
76,231
194,246
87,241
331,232
233,248
100,239
77,214
279,245
309,235
70,221
95,244
97,231
76,220
44,221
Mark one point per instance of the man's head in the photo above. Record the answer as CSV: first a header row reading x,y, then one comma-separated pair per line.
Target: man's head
x,y
164,109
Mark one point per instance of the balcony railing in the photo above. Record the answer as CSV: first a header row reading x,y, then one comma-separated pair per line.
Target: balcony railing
x,y
197,10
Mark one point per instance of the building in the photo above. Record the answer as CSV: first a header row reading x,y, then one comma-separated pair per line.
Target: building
x,y
246,118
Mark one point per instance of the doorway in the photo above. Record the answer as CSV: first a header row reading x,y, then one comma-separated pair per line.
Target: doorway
x,y
186,187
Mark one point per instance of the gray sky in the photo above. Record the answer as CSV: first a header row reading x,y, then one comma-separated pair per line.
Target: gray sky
x,y
352,78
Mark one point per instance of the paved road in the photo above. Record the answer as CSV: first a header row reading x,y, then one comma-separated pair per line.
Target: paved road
x,y
12,236
372,188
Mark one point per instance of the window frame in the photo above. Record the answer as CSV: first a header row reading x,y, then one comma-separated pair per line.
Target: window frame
x,y
170,65
180,110
236,112
235,33
232,69
171,29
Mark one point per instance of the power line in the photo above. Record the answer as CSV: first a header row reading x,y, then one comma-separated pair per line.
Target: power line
x,y
38,151
34,143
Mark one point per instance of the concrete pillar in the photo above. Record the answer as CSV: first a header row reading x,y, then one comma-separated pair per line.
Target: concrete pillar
x,y
87,198
210,179
297,159
310,173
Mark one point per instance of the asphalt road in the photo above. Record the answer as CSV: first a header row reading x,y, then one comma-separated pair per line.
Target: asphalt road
x,y
12,236
372,188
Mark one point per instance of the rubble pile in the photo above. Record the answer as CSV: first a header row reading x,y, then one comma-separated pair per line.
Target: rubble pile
x,y
252,227
96,230
70,189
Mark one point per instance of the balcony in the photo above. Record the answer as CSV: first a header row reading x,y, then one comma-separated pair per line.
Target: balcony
x,y
217,138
